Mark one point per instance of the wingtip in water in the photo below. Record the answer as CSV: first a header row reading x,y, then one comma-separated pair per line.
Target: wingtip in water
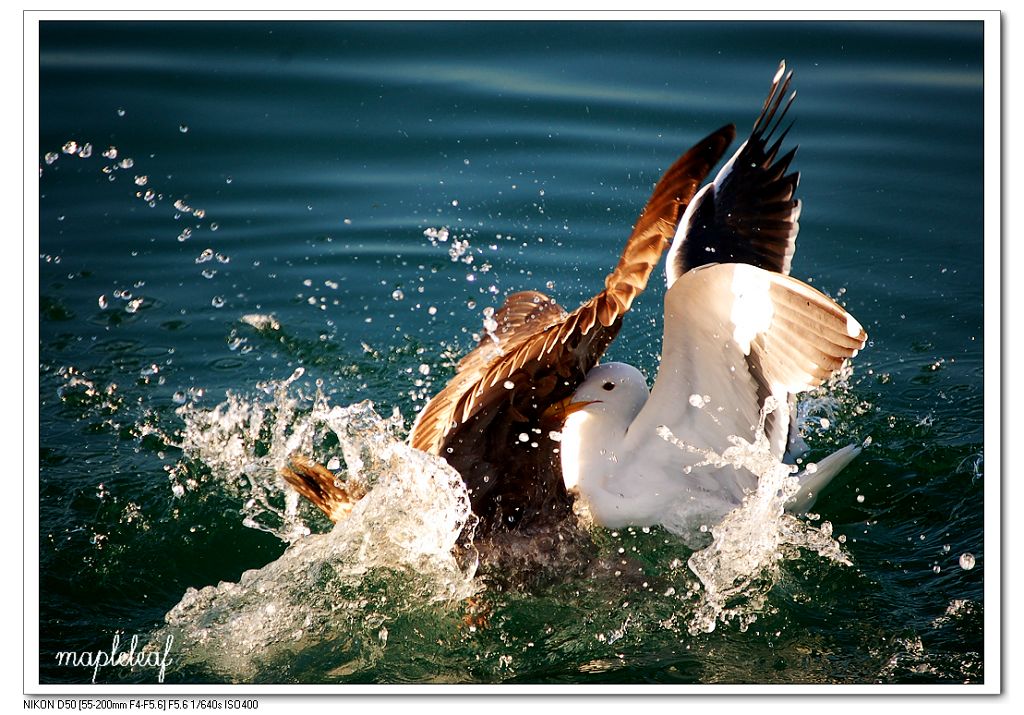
x,y
317,484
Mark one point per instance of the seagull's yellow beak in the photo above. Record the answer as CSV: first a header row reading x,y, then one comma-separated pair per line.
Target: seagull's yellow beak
x,y
561,410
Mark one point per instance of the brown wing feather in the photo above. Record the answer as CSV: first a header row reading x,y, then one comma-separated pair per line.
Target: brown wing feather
x,y
524,316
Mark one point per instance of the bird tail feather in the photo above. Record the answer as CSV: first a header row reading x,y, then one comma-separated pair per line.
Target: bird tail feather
x,y
811,483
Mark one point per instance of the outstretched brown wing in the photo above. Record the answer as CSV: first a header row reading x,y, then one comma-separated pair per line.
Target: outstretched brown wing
x,y
489,422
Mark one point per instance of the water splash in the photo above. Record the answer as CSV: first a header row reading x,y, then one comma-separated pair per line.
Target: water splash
x,y
400,553
742,563
394,555
244,442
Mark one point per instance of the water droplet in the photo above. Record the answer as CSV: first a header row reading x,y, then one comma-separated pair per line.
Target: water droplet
x,y
86,151
111,153
825,423
432,310
217,302
397,294
523,437
141,180
70,148
424,369
967,561
178,398
120,112
697,401
509,384
860,498
811,468
183,128
103,302
51,156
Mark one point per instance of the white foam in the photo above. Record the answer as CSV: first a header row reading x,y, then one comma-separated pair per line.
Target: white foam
x,y
394,554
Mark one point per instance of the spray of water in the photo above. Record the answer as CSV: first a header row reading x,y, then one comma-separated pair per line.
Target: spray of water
x,y
742,563
397,552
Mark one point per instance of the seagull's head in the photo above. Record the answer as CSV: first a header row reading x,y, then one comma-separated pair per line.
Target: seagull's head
x,y
598,415
615,389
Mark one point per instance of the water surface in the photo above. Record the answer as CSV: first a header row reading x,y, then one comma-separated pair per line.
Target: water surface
x,y
241,170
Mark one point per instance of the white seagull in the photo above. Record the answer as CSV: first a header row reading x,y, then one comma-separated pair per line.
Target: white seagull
x,y
741,339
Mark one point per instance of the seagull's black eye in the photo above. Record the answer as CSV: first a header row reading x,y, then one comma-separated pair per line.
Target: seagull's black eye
x,y
608,386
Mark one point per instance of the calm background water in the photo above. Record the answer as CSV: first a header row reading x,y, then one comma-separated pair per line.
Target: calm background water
x,y
295,168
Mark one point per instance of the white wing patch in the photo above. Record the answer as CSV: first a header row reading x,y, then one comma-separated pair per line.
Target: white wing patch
x,y
752,307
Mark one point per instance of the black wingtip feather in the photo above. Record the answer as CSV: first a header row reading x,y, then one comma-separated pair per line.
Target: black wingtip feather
x,y
771,151
752,200
781,115
769,117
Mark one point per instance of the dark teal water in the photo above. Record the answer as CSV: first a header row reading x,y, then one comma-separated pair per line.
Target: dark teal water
x,y
310,157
